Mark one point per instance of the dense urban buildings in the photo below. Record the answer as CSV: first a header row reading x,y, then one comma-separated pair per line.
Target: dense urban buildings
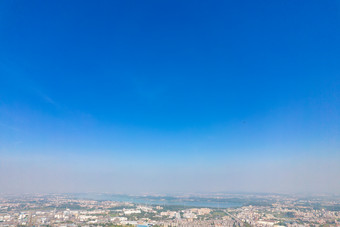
x,y
227,210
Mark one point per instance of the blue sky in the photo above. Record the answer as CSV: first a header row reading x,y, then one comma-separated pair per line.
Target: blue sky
x,y
170,87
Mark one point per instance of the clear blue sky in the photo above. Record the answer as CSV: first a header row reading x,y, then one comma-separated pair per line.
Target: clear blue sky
x,y
170,87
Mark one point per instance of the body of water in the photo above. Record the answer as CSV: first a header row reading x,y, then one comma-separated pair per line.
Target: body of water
x,y
162,201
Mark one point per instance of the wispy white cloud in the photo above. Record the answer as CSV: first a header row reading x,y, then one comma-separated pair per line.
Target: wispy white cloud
x,y
47,99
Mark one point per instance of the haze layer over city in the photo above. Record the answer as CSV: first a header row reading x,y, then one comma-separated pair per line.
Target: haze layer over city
x,y
169,97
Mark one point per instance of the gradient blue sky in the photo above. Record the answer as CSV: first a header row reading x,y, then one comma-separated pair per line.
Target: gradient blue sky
x,y
172,95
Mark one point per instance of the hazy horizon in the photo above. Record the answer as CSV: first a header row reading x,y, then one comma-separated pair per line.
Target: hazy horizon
x,y
170,96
